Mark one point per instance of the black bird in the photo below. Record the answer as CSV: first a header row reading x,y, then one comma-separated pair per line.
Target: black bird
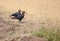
x,y
19,15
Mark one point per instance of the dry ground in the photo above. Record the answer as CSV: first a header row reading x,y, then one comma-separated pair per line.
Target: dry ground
x,y
39,13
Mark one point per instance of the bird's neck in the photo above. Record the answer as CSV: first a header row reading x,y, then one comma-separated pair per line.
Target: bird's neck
x,y
23,14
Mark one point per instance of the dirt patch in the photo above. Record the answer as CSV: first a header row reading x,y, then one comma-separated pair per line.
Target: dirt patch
x,y
33,38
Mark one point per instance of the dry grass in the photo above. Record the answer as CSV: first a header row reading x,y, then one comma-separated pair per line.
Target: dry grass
x,y
40,13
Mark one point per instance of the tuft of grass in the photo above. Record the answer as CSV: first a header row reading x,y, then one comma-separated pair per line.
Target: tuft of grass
x,y
52,34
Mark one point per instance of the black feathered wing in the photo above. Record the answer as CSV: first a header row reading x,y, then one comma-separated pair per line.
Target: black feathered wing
x,y
15,14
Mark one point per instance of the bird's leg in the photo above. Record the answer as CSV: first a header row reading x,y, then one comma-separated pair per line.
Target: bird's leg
x,y
19,21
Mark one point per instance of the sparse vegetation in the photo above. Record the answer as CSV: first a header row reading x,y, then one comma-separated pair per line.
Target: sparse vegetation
x,y
52,34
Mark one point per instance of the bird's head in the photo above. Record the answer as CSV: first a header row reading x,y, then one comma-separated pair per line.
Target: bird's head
x,y
23,12
19,11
